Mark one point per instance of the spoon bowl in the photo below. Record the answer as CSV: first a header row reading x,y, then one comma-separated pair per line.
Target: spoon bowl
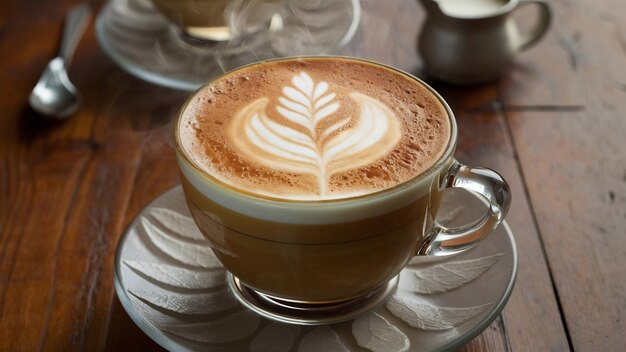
x,y
54,95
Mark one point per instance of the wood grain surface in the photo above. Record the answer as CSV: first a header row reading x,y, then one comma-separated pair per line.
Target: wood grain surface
x,y
575,167
554,126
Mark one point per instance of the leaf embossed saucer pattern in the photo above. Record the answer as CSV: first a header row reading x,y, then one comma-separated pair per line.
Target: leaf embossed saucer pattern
x,y
175,290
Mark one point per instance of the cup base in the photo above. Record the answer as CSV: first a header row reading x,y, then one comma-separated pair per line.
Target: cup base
x,y
304,313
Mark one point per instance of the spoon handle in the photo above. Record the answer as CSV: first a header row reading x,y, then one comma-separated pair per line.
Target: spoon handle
x,y
75,24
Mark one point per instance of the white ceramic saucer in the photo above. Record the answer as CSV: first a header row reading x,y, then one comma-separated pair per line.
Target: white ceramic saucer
x,y
175,290
140,40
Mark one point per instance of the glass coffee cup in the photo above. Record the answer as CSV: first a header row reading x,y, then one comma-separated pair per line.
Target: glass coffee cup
x,y
220,24
332,253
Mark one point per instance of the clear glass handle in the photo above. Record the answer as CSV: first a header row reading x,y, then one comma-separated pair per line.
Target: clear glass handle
x,y
485,182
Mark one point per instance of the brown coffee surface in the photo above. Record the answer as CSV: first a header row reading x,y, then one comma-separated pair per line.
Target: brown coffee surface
x,y
314,129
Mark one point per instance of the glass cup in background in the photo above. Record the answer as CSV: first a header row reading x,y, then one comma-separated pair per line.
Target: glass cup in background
x,y
220,24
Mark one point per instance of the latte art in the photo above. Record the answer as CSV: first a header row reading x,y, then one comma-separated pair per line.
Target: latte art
x,y
313,129
348,143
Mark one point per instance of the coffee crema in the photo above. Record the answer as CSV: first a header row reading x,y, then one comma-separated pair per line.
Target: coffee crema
x,y
314,129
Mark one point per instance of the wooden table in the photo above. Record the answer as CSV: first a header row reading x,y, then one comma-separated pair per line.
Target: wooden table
x,y
555,127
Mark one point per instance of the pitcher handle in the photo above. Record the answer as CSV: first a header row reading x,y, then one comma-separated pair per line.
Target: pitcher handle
x,y
487,183
545,18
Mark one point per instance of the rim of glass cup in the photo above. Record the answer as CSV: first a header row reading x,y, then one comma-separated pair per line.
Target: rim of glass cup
x,y
450,146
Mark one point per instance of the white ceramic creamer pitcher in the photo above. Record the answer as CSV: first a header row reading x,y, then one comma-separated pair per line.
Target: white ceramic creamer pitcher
x,y
472,41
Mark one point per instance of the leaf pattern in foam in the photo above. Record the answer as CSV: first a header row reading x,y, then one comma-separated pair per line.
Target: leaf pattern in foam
x,y
185,252
275,337
419,314
322,338
306,104
374,135
178,277
374,332
196,303
176,223
273,145
234,327
339,146
445,276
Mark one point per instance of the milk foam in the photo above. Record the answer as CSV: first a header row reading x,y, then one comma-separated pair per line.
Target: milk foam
x,y
322,152
471,8
303,130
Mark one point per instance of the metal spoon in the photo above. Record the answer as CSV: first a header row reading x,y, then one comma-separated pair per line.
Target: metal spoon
x,y
54,95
